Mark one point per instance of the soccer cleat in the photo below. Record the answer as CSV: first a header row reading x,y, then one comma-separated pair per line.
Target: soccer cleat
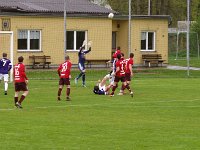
x,y
84,85
75,80
111,95
5,93
120,93
131,94
59,98
68,98
18,105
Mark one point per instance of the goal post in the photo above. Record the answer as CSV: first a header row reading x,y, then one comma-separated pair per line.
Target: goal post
x,y
10,49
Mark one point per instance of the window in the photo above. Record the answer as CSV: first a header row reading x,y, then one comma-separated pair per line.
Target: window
x,y
29,40
75,39
114,40
148,41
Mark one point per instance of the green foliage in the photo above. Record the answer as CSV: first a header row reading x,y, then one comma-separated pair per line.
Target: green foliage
x,y
177,9
196,26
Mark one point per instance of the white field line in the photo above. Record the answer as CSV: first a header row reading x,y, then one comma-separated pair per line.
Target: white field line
x,y
117,105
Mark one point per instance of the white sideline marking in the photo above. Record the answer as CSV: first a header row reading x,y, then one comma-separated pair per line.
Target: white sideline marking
x,y
116,105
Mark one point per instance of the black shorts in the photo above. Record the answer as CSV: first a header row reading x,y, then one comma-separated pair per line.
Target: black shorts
x,y
20,86
117,79
64,81
128,76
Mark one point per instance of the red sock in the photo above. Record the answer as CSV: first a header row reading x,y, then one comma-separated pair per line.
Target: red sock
x,y
22,98
59,92
15,99
68,91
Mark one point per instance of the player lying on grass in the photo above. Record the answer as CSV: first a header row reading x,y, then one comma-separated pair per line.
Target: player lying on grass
x,y
101,88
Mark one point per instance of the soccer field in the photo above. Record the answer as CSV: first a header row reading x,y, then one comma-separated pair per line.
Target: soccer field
x,y
164,114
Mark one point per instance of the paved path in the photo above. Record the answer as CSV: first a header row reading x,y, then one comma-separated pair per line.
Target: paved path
x,y
181,68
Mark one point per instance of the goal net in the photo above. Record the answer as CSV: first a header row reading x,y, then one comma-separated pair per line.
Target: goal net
x,y
6,46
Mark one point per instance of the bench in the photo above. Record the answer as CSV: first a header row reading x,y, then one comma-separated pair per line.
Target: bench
x,y
40,60
90,62
152,59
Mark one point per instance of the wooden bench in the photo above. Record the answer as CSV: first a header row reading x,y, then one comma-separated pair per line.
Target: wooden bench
x,y
40,60
152,59
90,62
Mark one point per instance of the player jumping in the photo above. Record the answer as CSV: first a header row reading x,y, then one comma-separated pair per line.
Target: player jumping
x,y
81,63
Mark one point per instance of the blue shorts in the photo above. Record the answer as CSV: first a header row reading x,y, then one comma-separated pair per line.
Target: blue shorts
x,y
81,66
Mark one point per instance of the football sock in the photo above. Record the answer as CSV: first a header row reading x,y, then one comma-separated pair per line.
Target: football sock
x,y
59,91
83,78
16,99
68,91
113,89
128,87
79,75
6,86
21,99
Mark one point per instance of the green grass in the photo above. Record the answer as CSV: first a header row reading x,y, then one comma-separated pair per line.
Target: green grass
x,y
164,114
194,61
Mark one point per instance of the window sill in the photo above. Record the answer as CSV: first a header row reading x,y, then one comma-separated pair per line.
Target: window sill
x,y
28,51
148,50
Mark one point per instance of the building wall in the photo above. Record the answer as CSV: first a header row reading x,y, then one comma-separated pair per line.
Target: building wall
x,y
159,26
99,31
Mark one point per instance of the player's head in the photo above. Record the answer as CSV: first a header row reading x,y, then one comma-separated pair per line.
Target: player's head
x,y
20,59
67,57
96,88
4,55
118,48
119,56
131,55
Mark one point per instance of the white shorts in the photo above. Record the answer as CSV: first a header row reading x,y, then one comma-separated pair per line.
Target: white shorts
x,y
4,76
111,78
102,88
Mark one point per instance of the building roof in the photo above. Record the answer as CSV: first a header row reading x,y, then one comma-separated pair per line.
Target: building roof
x,y
53,6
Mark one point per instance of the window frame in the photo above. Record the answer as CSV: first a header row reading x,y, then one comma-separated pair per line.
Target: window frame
x,y
154,41
75,49
29,40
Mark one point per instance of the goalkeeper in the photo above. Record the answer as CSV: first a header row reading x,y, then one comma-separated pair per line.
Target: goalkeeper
x,y
81,63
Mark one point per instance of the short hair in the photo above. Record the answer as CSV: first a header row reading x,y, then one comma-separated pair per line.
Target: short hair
x,y
4,55
119,56
96,88
67,57
131,55
122,54
118,48
20,59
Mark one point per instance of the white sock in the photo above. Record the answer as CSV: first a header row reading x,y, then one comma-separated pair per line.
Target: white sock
x,y
6,86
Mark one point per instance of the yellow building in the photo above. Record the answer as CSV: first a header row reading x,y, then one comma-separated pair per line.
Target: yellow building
x,y
38,29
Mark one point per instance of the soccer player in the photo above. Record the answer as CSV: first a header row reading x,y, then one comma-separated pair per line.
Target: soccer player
x,y
20,82
101,88
64,74
120,76
81,64
5,66
129,72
